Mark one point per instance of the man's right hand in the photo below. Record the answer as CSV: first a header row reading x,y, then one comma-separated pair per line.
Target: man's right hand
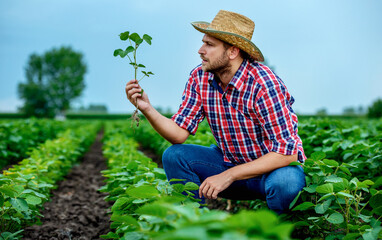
x,y
133,93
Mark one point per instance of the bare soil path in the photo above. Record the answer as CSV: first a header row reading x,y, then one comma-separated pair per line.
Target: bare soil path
x,y
77,210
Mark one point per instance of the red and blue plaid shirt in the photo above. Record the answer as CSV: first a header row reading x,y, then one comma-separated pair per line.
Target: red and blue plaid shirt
x,y
251,118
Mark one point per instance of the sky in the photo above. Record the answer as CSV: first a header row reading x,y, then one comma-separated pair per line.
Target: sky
x,y
328,53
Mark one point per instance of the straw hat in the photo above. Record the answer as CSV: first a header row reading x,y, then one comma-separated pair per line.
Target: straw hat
x,y
234,29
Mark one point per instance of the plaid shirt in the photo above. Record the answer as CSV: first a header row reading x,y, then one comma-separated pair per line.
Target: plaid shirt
x,y
251,118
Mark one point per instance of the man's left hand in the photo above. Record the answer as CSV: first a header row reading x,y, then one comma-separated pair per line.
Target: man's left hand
x,y
213,185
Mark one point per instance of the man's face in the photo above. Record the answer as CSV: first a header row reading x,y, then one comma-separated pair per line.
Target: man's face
x,y
213,54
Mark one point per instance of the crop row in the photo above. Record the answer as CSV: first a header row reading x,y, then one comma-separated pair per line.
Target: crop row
x,y
26,187
148,207
343,196
17,137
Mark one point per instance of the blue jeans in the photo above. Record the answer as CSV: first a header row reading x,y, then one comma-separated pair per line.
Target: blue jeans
x,y
196,163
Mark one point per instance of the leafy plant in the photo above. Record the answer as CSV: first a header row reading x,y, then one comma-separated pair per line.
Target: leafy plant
x,y
148,207
336,205
135,41
25,187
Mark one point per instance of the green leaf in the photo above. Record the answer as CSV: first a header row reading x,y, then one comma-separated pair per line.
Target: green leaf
x,y
311,188
377,211
178,187
147,38
176,180
153,210
335,218
351,236
110,235
117,52
345,170
33,200
136,38
129,49
1,200
333,179
294,200
144,191
376,201
325,188
120,204
295,164
340,186
19,204
326,196
124,36
372,234
368,182
141,66
303,206
331,162
345,194
8,191
316,156
323,207
126,219
191,186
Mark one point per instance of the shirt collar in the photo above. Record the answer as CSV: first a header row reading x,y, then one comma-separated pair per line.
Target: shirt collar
x,y
237,80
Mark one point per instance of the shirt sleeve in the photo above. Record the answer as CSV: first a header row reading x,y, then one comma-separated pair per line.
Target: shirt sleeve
x,y
190,112
273,107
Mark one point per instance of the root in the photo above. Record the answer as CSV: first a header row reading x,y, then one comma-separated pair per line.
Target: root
x,y
135,117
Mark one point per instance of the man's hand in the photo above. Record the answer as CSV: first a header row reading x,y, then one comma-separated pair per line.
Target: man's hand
x,y
135,96
213,185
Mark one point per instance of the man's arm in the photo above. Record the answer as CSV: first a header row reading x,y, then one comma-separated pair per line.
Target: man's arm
x,y
164,126
213,185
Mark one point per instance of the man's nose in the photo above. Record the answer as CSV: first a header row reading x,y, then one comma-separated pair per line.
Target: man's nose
x,y
201,50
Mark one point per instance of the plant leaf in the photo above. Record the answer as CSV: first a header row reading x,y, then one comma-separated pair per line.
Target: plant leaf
x,y
129,49
316,156
117,52
124,36
144,191
136,38
303,206
325,188
147,38
335,218
19,204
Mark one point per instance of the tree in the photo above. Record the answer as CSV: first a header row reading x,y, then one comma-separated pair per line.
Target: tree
x,y
53,80
375,110
349,111
322,112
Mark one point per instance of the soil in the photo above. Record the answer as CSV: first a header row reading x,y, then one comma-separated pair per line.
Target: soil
x,y
77,210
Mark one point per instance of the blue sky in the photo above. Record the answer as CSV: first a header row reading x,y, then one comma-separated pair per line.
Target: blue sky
x,y
327,52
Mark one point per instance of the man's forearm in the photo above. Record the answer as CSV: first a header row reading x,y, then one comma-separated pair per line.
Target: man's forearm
x,y
262,165
165,126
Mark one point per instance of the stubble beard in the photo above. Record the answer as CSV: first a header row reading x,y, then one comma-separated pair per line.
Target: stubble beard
x,y
220,66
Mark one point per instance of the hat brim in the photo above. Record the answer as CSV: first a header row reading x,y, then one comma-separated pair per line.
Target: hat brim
x,y
231,38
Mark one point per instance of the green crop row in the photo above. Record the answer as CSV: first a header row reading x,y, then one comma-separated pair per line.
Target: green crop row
x,y
17,137
26,187
343,195
148,207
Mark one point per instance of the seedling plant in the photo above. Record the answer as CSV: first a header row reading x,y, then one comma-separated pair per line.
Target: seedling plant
x,y
135,41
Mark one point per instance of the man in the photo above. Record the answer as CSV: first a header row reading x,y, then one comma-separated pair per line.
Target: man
x,y
249,111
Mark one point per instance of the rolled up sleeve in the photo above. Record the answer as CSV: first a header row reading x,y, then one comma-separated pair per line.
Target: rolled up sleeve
x,y
190,112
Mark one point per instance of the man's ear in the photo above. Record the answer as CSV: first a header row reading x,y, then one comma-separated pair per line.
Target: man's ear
x,y
234,52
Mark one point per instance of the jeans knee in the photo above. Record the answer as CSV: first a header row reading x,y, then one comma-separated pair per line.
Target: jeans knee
x,y
172,155
286,183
